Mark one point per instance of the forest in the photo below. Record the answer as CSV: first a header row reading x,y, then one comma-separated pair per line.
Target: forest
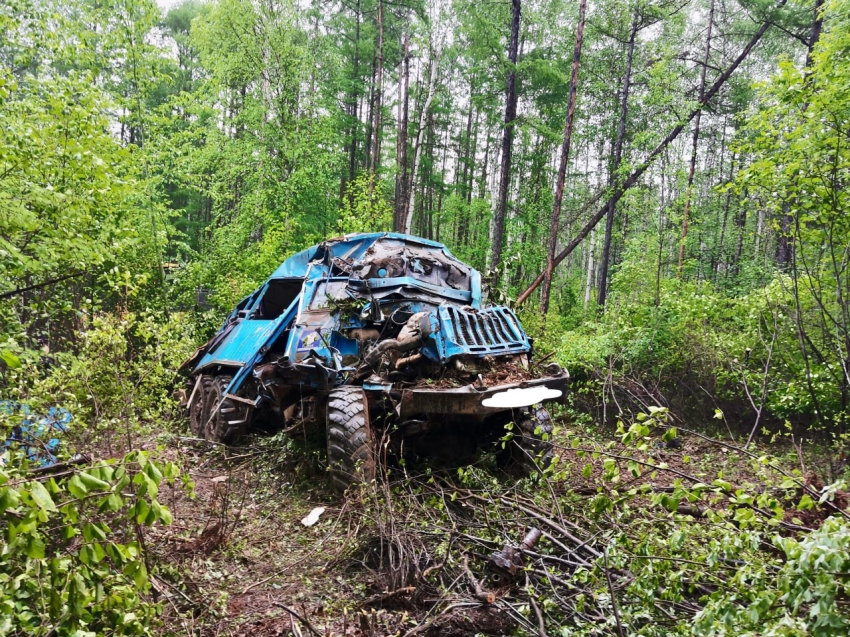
x,y
658,188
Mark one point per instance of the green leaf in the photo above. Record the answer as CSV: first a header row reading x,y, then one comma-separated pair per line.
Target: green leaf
x,y
9,498
93,532
806,503
10,359
93,483
41,497
35,547
141,511
111,503
77,488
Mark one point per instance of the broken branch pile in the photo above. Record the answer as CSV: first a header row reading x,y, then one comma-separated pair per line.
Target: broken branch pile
x,y
612,539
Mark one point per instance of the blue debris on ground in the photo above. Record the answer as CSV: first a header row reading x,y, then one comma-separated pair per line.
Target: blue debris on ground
x,y
38,436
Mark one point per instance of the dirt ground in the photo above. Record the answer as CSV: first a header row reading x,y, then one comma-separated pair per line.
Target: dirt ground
x,y
238,560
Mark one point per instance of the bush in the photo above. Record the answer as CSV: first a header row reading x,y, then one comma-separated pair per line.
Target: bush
x,y
121,379
698,346
74,558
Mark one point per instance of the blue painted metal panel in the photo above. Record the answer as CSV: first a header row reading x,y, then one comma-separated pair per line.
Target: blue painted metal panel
x,y
492,332
353,247
240,345
316,337
407,281
261,347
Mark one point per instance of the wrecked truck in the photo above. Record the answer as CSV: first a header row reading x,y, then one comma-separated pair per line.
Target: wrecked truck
x,y
384,340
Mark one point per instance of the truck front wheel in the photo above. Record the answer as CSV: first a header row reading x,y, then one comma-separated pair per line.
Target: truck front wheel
x,y
351,444
197,421
530,448
226,419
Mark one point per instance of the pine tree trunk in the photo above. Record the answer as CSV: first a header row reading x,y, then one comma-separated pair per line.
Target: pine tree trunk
x,y
507,138
376,126
463,225
602,291
695,140
562,168
355,101
417,148
402,177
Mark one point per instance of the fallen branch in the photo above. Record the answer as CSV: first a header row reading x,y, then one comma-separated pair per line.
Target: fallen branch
x,y
480,593
307,624
613,596
383,597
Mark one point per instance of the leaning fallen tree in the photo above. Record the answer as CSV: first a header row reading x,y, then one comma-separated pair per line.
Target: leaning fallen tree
x,y
633,178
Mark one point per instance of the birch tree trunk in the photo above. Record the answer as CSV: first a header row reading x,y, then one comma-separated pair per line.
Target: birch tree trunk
x,y
417,148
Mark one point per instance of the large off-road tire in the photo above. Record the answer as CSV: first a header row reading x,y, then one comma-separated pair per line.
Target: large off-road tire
x,y
197,420
226,419
530,449
351,443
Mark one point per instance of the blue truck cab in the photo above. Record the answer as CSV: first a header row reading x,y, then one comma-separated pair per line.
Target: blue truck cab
x,y
369,333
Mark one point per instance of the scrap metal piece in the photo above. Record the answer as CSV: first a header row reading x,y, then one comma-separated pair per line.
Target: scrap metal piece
x,y
504,564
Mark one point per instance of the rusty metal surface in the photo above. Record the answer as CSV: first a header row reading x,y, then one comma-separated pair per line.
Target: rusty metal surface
x,y
466,400
505,564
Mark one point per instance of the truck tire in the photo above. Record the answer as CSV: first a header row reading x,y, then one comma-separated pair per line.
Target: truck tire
x,y
351,444
530,449
197,419
226,419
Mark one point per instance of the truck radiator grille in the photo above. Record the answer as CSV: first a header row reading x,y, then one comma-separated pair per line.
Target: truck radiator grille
x,y
492,331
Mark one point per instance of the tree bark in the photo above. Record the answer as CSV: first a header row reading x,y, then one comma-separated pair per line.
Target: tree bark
x,y
636,174
562,168
401,178
507,137
376,127
604,262
463,225
695,141
355,101
417,149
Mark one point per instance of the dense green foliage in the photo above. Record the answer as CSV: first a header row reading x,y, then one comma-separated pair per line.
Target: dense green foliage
x,y
73,561
157,164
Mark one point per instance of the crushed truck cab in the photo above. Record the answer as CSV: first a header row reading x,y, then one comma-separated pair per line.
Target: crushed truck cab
x,y
372,334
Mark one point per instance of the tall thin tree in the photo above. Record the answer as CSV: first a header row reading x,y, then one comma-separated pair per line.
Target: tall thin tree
x,y
417,148
636,174
562,168
695,140
605,261
507,137
401,150
379,75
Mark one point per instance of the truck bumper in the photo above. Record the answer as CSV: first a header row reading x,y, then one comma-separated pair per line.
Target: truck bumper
x,y
467,400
